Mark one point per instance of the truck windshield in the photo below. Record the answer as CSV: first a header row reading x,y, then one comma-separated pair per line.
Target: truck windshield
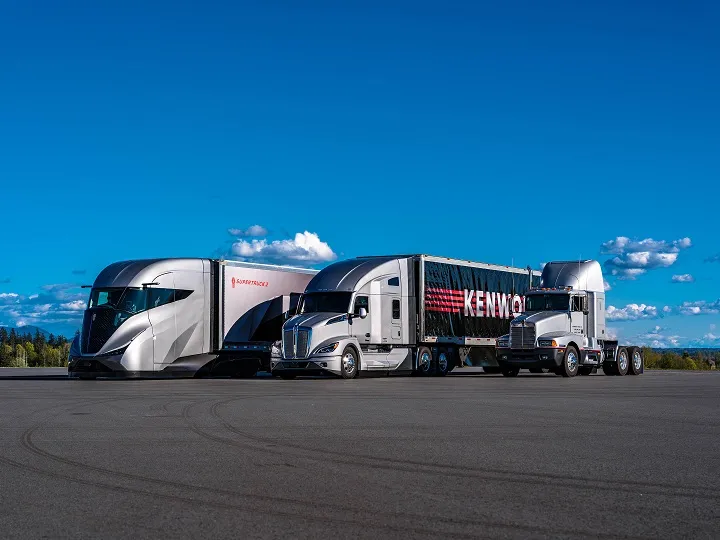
x,y
547,302
125,299
332,302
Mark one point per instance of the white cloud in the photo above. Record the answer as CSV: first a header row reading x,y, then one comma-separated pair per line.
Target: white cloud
x,y
7,298
305,247
254,231
699,308
713,258
683,278
607,286
631,312
635,257
657,339
77,305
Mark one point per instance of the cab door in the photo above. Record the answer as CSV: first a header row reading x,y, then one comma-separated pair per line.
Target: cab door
x,y
161,312
577,316
361,328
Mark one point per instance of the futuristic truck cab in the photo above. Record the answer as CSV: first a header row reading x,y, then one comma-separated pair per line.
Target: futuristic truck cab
x,y
563,327
184,317
393,314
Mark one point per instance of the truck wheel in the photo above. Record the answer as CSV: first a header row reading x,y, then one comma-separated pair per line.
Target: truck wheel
x,y
571,362
609,368
425,364
510,372
636,361
444,361
623,360
585,370
349,363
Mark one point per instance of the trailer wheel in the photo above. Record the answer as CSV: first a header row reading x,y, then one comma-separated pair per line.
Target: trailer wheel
x,y
623,361
425,363
445,358
349,363
636,361
571,362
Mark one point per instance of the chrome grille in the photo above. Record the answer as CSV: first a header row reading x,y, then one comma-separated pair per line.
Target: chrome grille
x,y
522,337
302,343
296,342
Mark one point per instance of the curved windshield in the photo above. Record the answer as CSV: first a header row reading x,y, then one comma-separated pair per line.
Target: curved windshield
x,y
333,302
547,302
129,300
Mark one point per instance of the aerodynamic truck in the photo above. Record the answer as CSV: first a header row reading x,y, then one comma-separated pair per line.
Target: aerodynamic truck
x,y
562,327
184,318
401,314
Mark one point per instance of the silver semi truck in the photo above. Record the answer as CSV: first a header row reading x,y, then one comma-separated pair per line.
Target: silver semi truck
x,y
563,328
184,317
411,313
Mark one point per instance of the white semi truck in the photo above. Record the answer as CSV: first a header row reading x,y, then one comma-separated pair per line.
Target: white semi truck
x,y
562,327
184,317
392,314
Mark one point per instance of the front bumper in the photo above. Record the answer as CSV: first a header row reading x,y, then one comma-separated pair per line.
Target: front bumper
x,y
532,358
314,365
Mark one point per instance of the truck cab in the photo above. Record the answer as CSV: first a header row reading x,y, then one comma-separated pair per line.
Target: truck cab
x,y
563,327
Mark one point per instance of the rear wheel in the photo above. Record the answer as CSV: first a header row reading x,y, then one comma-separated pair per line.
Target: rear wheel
x,y
425,364
623,361
636,361
349,363
571,362
444,361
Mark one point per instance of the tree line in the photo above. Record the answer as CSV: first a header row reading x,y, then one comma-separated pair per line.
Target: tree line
x,y
699,360
19,349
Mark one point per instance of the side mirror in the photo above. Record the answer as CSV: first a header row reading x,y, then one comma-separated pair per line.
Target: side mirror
x,y
362,313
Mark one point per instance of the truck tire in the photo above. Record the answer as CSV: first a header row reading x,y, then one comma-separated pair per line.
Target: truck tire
x,y
636,361
510,372
571,362
349,363
623,360
425,362
444,360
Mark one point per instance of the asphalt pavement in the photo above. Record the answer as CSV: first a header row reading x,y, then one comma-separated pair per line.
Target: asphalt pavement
x,y
466,456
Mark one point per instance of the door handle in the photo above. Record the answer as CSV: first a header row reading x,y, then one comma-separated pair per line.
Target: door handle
x,y
367,335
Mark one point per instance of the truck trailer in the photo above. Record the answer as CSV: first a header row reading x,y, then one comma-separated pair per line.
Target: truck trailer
x,y
401,314
184,318
562,327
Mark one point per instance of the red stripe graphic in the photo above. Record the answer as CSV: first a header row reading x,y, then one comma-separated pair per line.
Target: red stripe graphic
x,y
443,303
443,309
431,290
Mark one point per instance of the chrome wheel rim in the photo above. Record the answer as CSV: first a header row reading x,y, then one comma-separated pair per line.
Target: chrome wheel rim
x,y
623,361
637,360
572,361
349,362
442,361
425,361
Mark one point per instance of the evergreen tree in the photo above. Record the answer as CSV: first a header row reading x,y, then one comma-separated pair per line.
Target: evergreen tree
x,y
3,335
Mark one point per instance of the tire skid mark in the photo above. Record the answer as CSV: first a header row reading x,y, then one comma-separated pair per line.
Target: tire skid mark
x,y
629,486
454,520
26,441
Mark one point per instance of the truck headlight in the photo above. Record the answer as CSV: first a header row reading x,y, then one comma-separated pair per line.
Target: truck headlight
x,y
327,349
547,343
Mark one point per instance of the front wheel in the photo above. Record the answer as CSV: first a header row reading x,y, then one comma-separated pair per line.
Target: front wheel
x,y
349,363
571,362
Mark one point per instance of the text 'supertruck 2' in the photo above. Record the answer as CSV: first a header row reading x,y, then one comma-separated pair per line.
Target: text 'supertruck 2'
x,y
410,313
185,317
563,327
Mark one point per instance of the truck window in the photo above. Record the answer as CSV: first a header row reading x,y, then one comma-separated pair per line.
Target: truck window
x,y
394,282
396,309
547,302
361,301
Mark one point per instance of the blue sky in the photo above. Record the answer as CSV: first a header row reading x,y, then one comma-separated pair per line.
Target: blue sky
x,y
521,132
